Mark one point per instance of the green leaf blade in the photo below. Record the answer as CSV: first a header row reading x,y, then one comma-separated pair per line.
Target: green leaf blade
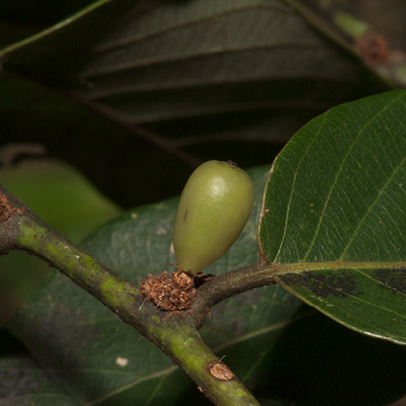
x,y
335,198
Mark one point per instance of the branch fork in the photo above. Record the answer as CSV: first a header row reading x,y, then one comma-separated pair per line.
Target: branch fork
x,y
21,229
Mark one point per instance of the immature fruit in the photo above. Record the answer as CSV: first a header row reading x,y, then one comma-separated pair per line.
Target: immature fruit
x,y
213,210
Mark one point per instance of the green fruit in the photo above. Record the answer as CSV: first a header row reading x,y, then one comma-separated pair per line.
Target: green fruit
x,y
213,210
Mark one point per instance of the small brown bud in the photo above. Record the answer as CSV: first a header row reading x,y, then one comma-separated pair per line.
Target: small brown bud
x,y
168,293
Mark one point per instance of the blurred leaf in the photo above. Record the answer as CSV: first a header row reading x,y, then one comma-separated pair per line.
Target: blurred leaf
x,y
14,31
40,12
22,381
278,346
20,19
176,82
59,195
101,148
370,29
334,206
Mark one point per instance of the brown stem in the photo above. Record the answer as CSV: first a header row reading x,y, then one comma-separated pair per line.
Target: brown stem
x,y
230,284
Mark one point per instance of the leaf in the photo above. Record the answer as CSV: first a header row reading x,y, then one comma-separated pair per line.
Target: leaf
x,y
51,119
23,382
334,212
134,79
65,191
277,345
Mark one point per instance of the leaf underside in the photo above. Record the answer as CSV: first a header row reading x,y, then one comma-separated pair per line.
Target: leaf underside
x,y
334,209
135,79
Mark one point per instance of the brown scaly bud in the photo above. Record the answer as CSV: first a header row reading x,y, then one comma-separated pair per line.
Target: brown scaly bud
x,y
168,293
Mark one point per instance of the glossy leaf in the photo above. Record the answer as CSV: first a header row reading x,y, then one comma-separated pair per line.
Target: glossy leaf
x,y
278,346
334,212
135,80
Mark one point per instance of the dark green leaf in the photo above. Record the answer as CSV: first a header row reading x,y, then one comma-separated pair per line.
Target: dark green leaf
x,y
107,152
175,81
334,211
23,382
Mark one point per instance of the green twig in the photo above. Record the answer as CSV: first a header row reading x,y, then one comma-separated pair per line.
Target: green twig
x,y
175,334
